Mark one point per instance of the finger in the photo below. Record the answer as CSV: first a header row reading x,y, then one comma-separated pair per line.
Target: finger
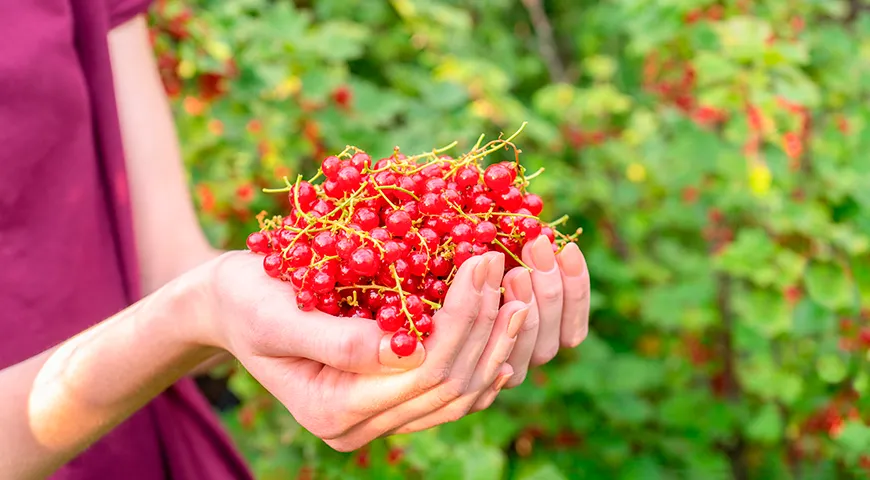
x,y
369,395
518,286
575,310
547,285
488,397
509,322
452,386
351,344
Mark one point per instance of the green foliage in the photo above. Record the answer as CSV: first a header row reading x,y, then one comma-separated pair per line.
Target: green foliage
x,y
714,152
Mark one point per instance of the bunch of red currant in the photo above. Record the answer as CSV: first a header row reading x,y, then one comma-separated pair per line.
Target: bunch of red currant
x,y
382,240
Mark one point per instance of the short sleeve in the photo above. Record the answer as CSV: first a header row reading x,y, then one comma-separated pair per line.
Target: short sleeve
x,y
122,10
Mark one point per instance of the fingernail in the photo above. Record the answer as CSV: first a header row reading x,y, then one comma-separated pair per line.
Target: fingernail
x,y
542,254
391,360
496,270
571,260
521,285
516,322
502,381
478,277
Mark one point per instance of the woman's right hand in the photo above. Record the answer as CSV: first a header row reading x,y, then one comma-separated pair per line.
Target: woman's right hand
x,y
338,376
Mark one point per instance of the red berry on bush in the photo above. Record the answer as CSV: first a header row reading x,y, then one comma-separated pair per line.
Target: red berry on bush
x,y
533,204
306,301
330,167
324,243
398,223
424,324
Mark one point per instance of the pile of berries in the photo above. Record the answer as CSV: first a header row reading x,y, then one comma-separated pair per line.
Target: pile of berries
x,y
383,239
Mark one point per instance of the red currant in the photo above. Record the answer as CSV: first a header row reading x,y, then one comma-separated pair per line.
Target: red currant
x,y
329,302
360,161
481,204
431,204
273,264
419,263
330,167
530,227
346,276
440,266
533,204
299,255
497,177
398,223
349,179
324,243
366,218
484,232
322,282
389,319
306,301
461,232
467,176
437,290
365,262
258,242
403,343
424,324
462,253
511,200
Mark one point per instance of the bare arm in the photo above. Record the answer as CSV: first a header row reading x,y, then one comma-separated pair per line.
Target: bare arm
x,y
169,239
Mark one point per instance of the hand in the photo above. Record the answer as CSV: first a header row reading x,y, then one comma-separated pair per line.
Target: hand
x,y
558,290
338,376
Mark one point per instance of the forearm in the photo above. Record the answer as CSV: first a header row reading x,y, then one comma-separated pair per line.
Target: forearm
x,y
56,404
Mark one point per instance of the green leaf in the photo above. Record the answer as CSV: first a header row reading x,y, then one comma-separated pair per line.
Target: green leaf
x,y
855,437
828,285
831,368
810,318
480,462
767,426
545,471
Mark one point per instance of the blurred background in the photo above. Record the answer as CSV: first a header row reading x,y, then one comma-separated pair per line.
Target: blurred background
x,y
716,154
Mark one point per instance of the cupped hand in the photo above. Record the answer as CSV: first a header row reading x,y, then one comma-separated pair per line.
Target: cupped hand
x,y
338,376
558,290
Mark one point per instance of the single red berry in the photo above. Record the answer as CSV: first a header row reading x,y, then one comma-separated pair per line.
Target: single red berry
x,y
408,184
372,299
392,299
273,264
467,176
478,249
512,168
346,276
398,223
299,278
258,242
330,267
461,232
414,305
300,255
430,238
365,262
411,208
392,251
424,324
324,243
437,290
462,253
323,207
389,319
533,203
497,177
433,170
329,302
435,185
451,197
322,282
446,222
431,204
402,267
530,227
360,312
360,161
306,301
511,200
481,204
419,263
403,343
506,223
484,232
411,284
383,179
346,245
332,189
306,195
348,179
282,238
366,218
330,166
381,234
440,266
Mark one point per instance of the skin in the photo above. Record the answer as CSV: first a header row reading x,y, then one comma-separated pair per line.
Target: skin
x,y
336,376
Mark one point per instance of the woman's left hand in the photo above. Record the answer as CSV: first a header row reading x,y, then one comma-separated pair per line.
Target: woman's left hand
x,y
558,290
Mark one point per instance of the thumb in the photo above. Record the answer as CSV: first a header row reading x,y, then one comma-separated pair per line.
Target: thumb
x,y
355,345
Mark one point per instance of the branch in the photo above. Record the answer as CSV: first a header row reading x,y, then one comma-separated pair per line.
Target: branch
x,y
736,450
546,43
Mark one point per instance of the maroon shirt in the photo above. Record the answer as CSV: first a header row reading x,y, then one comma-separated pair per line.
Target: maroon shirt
x,y
67,253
